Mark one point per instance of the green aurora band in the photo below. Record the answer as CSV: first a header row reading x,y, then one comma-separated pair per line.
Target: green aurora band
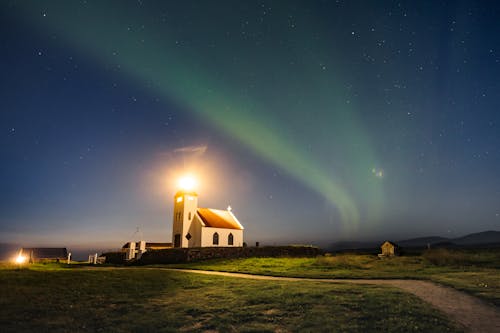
x,y
245,89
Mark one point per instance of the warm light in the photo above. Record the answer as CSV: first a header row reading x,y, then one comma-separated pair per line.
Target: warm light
x,y
187,183
20,259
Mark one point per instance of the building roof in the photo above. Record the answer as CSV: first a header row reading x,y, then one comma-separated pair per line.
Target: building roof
x,y
391,243
215,218
158,245
45,252
148,245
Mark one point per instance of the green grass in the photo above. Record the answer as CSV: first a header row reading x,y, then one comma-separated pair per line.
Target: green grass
x,y
475,272
53,298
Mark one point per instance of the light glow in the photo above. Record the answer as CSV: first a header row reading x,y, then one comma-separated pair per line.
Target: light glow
x,y
187,183
20,259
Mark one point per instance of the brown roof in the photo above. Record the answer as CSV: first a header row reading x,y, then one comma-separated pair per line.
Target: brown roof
x,y
158,245
215,218
148,245
391,243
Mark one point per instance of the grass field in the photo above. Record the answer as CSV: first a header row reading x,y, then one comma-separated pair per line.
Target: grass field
x,y
53,298
474,271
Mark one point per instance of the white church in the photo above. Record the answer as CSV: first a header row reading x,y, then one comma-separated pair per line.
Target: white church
x,y
203,227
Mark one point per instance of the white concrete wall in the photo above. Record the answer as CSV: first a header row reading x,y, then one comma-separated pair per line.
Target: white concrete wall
x,y
195,232
187,209
130,252
207,236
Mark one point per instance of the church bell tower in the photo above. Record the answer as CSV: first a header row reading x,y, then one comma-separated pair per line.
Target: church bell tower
x,y
185,206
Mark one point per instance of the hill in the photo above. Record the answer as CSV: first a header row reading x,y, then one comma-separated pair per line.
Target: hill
x,y
484,238
422,241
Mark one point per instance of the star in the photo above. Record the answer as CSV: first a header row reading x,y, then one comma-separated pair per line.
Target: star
x,y
379,173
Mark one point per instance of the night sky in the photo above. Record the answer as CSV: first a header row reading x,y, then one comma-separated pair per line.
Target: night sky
x,y
317,121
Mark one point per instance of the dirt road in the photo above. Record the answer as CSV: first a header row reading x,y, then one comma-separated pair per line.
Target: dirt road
x,y
470,312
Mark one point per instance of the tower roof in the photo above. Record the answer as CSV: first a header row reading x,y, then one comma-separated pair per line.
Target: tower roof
x,y
182,192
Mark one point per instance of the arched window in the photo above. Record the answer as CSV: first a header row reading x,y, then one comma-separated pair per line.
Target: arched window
x,y
216,239
230,239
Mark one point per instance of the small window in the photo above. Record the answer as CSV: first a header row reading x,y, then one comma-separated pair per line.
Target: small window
x,y
230,239
188,236
179,199
216,239
189,216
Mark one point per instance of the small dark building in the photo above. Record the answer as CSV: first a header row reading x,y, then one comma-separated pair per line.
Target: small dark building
x,y
40,254
134,250
389,249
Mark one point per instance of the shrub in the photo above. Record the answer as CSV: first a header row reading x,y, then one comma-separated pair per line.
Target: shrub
x,y
446,257
342,261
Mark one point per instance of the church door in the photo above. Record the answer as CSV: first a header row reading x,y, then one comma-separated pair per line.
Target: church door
x,y
177,240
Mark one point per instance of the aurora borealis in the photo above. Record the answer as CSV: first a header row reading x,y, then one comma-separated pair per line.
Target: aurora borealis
x,y
316,121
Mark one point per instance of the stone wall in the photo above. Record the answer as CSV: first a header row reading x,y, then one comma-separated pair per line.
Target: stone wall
x,y
173,256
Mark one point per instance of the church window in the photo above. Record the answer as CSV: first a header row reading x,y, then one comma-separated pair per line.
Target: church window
x,y
230,239
188,236
216,239
189,216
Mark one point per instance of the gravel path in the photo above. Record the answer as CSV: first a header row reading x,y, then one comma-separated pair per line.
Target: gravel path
x,y
470,312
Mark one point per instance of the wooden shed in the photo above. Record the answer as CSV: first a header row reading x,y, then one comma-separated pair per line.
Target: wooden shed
x,y
389,249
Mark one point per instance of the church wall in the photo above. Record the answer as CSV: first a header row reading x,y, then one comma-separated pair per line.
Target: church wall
x,y
207,237
195,232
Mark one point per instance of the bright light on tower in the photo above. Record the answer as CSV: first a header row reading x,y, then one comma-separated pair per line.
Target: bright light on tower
x,y
187,183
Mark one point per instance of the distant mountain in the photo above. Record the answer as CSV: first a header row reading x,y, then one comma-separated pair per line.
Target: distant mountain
x,y
485,237
422,241
347,245
480,238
